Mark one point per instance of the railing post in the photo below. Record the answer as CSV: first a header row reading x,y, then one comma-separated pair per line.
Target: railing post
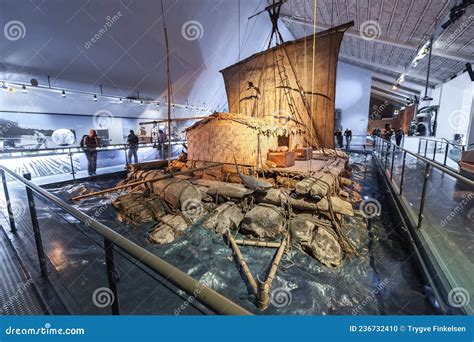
x,y
426,147
403,171
423,195
126,156
73,172
393,159
112,275
386,154
446,154
36,227
419,146
9,204
434,151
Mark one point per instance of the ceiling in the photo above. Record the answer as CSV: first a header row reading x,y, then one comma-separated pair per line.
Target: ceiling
x,y
401,26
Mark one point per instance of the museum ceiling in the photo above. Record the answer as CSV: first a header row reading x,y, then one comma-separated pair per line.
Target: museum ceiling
x,y
401,26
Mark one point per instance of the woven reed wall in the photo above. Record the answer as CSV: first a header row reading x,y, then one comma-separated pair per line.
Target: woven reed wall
x,y
217,140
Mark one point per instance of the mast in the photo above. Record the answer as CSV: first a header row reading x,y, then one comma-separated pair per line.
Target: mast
x,y
168,76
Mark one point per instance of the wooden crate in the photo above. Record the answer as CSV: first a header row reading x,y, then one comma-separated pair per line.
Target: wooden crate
x,y
282,159
304,153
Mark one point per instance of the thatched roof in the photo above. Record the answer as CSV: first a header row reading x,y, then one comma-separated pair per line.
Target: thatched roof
x,y
263,126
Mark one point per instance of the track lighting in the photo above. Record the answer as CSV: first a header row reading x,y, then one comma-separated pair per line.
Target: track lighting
x,y
63,94
120,100
23,89
141,102
95,98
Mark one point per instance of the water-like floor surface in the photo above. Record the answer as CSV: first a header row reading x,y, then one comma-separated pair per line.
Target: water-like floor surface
x,y
381,280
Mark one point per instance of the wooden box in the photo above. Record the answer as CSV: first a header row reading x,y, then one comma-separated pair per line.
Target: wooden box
x,y
282,159
304,153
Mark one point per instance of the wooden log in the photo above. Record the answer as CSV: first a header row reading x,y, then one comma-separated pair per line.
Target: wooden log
x,y
242,262
147,165
117,188
276,197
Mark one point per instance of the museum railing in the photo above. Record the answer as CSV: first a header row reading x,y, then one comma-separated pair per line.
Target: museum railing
x,y
440,151
95,269
72,160
439,203
363,143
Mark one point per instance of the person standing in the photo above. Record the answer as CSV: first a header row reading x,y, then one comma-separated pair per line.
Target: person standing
x,y
399,134
90,143
132,141
339,137
348,135
161,142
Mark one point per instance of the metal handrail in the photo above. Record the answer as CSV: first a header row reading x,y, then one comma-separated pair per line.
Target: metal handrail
x,y
207,296
79,149
431,163
440,139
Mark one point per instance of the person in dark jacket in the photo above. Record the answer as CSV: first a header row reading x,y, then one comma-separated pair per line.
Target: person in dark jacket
x,y
399,134
339,138
348,135
132,141
90,143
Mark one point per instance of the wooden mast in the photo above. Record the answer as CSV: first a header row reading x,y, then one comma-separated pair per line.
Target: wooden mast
x,y
168,75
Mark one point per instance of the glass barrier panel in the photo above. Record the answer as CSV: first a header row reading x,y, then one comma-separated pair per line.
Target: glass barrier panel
x,y
143,292
448,229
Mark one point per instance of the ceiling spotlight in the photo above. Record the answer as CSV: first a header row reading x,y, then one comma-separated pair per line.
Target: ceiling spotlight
x,y
23,89
158,104
4,86
95,98
395,87
427,98
141,102
120,100
63,94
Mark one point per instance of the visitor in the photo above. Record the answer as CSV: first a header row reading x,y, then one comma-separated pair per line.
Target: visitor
x,y
132,141
376,132
339,138
348,135
161,142
388,132
399,134
90,143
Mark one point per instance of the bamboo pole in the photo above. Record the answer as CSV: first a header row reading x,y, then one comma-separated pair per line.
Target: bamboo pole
x,y
258,243
175,119
263,297
242,262
98,193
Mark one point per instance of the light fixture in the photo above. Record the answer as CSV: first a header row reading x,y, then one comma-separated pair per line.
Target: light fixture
x,y
23,89
120,100
63,94
141,102
395,87
158,104
95,98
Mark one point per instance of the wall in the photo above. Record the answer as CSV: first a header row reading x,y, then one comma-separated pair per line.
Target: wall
x,y
455,113
353,87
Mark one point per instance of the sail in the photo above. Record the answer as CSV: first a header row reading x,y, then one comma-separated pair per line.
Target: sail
x,y
280,82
